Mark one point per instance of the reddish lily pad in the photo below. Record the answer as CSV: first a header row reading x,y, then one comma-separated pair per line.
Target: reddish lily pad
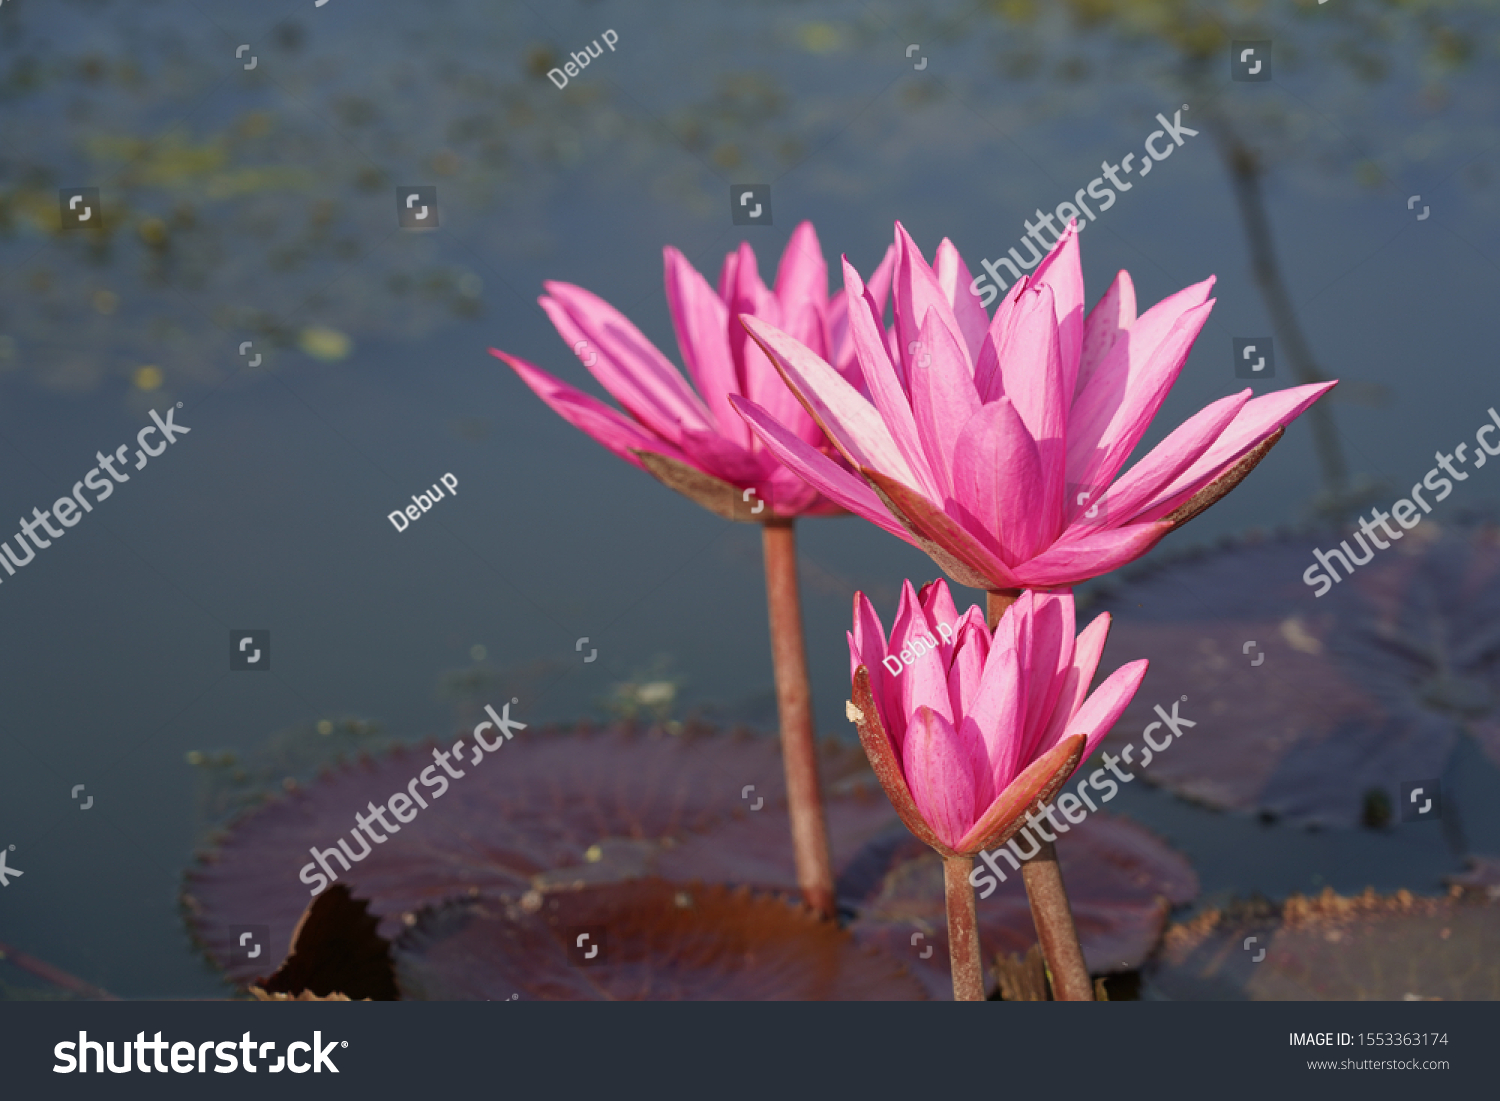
x,y
1331,948
1305,706
1122,882
657,941
543,812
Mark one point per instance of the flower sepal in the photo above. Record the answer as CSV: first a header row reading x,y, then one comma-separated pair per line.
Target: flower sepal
x,y
1036,786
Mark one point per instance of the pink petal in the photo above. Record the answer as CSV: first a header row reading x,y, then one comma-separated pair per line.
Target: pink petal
x,y
938,772
886,390
948,532
702,325
1079,674
1062,272
1103,709
1257,419
1048,656
626,364
954,279
942,400
592,416
802,280
997,484
1112,415
1123,501
997,711
835,482
1107,321
1071,561
747,294
1033,375
851,422
917,291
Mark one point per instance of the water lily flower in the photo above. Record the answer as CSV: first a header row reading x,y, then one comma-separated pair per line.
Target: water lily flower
x,y
966,730
693,440
695,443
996,445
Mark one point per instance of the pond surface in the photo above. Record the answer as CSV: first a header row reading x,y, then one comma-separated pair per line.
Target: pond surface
x,y
257,203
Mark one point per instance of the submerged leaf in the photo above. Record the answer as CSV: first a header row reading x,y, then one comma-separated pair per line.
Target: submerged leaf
x,y
1308,707
1122,881
657,941
550,810
1331,948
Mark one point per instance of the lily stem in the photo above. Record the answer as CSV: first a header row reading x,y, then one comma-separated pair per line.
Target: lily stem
x,y
1050,911
799,751
1054,927
963,930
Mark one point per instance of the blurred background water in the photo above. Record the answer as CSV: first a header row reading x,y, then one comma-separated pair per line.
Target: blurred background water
x,y
258,205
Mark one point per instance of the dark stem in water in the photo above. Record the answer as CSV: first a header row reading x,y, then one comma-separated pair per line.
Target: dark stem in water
x,y
799,751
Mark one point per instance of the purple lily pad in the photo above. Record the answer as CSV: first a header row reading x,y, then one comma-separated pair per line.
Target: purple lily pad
x,y
656,941
1122,882
553,809
1331,948
1306,705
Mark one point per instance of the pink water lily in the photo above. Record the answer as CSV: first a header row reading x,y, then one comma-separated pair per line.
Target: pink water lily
x,y
693,440
967,731
997,445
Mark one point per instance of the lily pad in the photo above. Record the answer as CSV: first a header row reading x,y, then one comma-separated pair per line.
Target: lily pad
x,y
657,941
553,809
1331,948
1307,706
1122,882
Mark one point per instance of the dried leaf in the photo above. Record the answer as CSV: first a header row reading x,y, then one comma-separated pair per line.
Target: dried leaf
x,y
1331,948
